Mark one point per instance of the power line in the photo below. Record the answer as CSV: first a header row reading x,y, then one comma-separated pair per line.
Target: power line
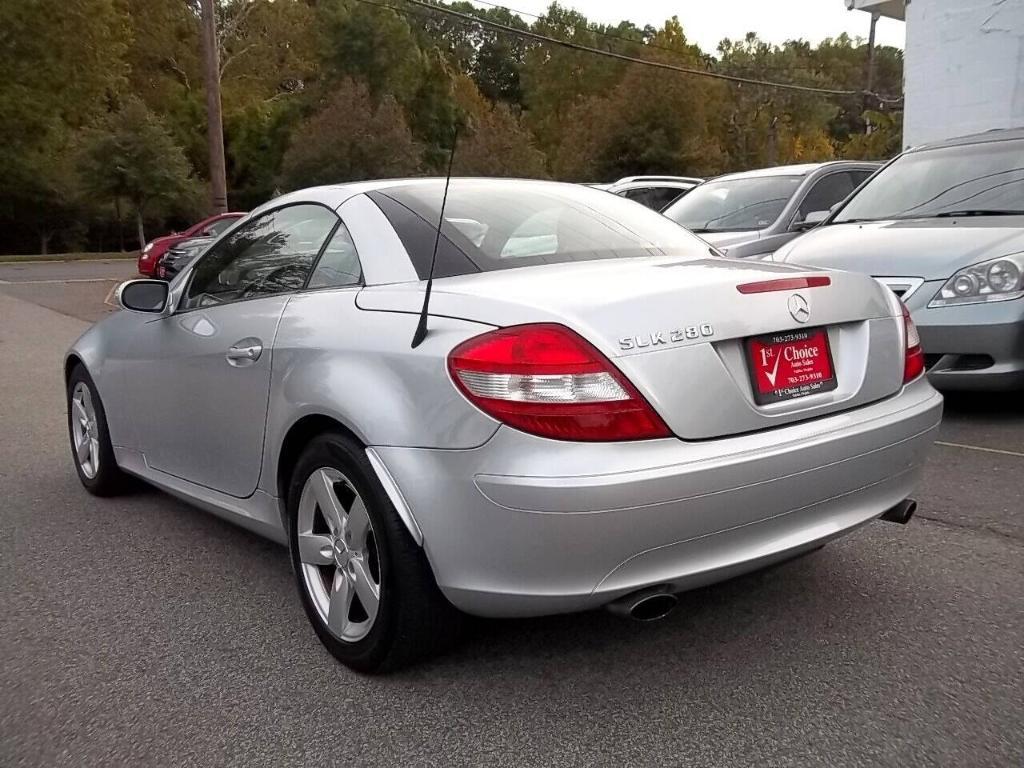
x,y
530,35
598,32
602,33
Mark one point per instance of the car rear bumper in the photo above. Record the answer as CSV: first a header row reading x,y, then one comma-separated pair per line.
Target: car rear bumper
x,y
526,526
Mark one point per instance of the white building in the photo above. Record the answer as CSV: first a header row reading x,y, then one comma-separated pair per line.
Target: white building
x,y
963,65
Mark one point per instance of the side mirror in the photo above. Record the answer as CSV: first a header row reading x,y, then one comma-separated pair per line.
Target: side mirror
x,y
811,220
143,295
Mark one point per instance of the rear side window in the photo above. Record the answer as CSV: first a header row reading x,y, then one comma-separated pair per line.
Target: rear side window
x,y
339,263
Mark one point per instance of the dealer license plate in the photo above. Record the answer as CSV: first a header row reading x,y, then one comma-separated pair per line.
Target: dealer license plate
x,y
790,364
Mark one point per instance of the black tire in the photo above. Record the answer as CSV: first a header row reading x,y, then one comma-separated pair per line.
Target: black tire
x,y
413,620
108,480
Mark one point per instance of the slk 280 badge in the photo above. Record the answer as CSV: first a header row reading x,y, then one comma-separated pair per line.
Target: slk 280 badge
x,y
657,338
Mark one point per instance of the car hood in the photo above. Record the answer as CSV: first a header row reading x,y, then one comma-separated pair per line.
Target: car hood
x,y
167,240
932,249
725,239
193,242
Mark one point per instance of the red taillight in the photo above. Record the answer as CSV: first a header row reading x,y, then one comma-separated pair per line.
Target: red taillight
x,y
547,380
913,365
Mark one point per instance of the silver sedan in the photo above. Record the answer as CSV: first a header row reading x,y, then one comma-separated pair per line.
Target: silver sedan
x,y
943,226
601,413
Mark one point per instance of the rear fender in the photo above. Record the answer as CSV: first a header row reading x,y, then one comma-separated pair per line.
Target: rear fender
x,y
359,369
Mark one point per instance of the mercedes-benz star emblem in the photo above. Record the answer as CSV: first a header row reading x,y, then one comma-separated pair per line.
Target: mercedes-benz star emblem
x,y
799,308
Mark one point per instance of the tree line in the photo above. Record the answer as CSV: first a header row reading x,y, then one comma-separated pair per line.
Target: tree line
x,y
103,115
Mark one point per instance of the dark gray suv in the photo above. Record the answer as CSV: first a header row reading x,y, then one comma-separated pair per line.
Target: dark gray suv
x,y
756,212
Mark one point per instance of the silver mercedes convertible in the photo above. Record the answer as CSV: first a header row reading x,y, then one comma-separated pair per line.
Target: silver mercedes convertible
x,y
601,412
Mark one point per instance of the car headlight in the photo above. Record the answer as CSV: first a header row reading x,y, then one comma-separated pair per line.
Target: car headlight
x,y
148,248
999,279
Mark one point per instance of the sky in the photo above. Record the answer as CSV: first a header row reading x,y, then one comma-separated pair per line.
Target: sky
x,y
705,22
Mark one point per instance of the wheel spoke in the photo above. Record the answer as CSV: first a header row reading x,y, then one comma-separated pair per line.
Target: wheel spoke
x,y
82,449
87,400
79,411
94,453
341,604
330,507
368,591
357,525
315,549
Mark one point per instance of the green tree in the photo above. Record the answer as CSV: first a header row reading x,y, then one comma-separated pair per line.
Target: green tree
x,y
884,141
131,156
60,62
257,139
651,122
268,50
556,79
493,141
763,126
493,59
372,43
350,138
297,75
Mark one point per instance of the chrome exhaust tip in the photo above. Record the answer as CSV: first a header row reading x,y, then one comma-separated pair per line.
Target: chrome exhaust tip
x,y
648,604
901,513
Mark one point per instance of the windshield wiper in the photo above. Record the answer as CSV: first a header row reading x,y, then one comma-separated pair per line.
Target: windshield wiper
x,y
976,212
716,230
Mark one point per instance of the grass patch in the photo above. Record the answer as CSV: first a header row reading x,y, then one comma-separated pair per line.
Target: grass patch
x,y
70,256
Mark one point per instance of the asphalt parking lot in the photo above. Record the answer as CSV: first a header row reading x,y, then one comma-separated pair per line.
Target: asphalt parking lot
x,y
140,631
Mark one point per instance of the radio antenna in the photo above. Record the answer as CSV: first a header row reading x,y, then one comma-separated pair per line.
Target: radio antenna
x,y
421,327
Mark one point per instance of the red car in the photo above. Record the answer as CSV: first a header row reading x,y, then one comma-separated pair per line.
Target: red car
x,y
211,227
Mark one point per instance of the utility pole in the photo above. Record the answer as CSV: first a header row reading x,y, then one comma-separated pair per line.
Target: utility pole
x,y
214,121
871,68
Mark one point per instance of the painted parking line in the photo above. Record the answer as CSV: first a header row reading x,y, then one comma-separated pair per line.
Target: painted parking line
x,y
68,280
110,295
980,448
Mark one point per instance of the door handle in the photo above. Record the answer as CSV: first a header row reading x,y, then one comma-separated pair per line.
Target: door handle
x,y
245,352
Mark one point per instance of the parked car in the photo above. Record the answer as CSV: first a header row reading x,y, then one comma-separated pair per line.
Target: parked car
x,y
943,226
211,227
670,421
753,213
179,256
656,192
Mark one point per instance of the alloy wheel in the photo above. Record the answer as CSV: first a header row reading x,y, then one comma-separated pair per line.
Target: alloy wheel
x,y
338,553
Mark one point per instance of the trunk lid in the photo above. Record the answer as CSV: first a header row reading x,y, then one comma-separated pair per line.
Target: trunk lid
x,y
677,330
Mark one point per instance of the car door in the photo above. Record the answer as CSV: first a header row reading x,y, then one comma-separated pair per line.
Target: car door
x,y
205,369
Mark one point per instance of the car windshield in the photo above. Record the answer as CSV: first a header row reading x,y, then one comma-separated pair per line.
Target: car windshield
x,y
983,178
491,225
734,205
